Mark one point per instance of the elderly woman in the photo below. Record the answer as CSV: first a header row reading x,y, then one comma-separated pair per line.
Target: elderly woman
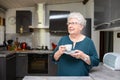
x,y
83,56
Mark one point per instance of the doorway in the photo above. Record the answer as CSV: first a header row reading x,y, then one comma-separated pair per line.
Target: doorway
x,y
106,43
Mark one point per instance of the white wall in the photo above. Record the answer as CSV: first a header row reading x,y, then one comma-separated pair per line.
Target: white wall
x,y
1,35
116,42
2,14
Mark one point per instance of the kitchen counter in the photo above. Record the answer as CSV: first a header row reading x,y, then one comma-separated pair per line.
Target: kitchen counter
x,y
35,51
6,53
55,78
103,73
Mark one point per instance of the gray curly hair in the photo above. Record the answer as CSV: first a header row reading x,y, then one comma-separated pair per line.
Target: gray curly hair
x,y
78,16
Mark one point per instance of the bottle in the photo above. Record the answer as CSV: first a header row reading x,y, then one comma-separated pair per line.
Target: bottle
x,y
21,29
46,47
16,43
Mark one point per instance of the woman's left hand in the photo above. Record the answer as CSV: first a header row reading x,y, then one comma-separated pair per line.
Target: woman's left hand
x,y
77,54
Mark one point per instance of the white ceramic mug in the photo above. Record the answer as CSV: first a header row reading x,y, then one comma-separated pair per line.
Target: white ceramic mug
x,y
68,47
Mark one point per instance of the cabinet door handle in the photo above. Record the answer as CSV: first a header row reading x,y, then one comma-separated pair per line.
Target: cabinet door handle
x,y
13,56
21,54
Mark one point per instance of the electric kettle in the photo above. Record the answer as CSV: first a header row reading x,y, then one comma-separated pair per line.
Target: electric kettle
x,y
23,45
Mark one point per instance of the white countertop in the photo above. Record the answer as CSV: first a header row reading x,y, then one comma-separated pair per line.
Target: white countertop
x,y
56,78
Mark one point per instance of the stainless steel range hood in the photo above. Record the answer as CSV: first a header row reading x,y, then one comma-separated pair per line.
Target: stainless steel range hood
x,y
113,25
39,16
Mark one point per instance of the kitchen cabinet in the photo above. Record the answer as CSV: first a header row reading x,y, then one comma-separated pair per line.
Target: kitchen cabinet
x,y
11,67
102,11
26,62
58,21
21,64
23,21
115,9
52,66
8,67
106,11
107,15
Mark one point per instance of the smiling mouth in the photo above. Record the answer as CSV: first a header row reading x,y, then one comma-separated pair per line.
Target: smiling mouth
x,y
71,29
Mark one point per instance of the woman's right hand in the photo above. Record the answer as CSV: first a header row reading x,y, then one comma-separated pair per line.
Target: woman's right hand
x,y
62,49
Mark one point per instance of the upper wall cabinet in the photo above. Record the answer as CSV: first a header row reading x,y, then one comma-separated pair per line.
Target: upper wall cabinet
x,y
23,21
115,9
102,11
106,10
107,15
58,21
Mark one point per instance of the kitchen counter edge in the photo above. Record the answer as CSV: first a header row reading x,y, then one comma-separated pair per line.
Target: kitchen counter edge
x,y
6,53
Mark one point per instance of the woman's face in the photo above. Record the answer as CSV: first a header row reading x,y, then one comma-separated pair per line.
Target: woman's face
x,y
74,27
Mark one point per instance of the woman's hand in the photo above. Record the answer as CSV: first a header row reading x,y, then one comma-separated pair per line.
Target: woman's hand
x,y
77,54
81,55
60,51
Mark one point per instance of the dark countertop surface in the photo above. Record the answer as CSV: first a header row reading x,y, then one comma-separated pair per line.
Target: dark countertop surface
x,y
35,51
6,53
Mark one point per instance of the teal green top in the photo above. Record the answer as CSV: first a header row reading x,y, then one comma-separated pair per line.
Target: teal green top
x,y
70,66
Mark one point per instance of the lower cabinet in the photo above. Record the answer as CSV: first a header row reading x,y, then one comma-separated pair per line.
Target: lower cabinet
x,y
8,67
11,67
52,67
28,63
21,64
16,66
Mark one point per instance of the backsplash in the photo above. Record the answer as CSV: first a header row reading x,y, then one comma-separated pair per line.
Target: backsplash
x,y
37,38
41,37
21,38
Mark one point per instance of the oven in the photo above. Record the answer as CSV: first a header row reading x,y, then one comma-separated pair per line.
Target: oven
x,y
38,63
